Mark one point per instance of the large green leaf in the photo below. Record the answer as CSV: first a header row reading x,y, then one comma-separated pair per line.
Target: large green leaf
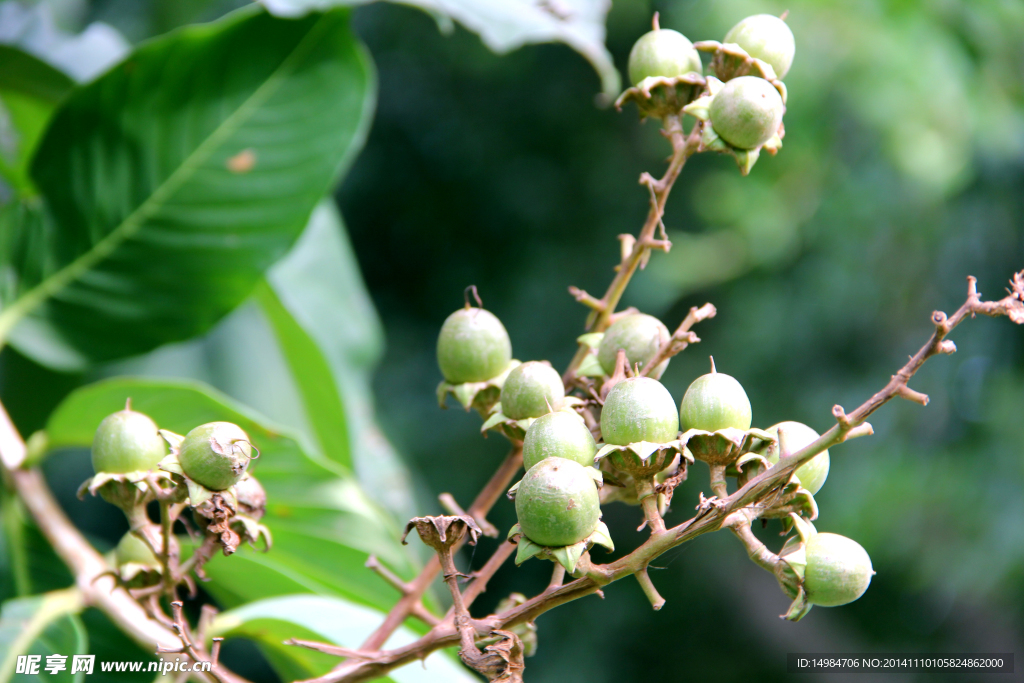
x,y
323,525
42,625
173,185
505,25
333,620
319,287
29,91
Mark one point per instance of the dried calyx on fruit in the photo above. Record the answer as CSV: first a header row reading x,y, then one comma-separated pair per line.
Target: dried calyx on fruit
x,y
821,569
215,455
126,448
715,417
475,355
665,70
765,37
559,511
641,336
662,53
560,434
640,428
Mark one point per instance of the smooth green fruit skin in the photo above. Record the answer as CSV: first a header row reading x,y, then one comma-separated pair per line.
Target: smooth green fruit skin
x,y
557,503
530,389
662,52
765,37
814,472
559,435
747,112
473,346
639,409
640,335
208,458
131,548
715,401
838,570
127,441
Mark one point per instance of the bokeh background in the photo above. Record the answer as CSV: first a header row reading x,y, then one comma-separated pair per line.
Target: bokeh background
x,y
902,173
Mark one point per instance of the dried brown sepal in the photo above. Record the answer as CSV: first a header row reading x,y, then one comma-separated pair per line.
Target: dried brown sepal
x,y
219,510
441,532
499,662
658,96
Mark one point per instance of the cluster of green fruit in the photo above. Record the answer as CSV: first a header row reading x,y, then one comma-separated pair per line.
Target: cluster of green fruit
x,y
743,103
640,434
133,467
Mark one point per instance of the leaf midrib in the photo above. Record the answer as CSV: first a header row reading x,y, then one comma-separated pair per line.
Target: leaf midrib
x,y
132,223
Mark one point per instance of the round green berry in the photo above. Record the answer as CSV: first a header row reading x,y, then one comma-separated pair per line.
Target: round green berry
x,y
127,441
747,112
215,455
765,37
814,472
473,346
838,570
131,548
639,409
531,390
640,336
557,503
714,401
559,435
662,52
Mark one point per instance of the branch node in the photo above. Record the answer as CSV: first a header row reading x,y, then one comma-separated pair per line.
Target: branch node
x,y
947,347
903,391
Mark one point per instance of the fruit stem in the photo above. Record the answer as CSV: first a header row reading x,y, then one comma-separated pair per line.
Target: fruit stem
x,y
649,502
657,602
739,523
655,24
718,483
682,147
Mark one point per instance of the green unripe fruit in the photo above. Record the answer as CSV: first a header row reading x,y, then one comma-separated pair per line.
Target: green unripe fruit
x,y
639,409
559,435
814,472
127,441
838,570
131,548
640,335
215,454
473,346
662,52
531,390
747,112
557,503
765,37
715,401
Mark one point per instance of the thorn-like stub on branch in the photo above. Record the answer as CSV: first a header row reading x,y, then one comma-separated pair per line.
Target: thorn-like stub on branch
x,y
939,318
916,396
840,415
443,531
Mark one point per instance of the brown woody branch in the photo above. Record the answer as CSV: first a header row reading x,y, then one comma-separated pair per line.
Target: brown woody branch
x,y
749,501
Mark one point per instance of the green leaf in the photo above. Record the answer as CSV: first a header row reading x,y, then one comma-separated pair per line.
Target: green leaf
x,y
42,625
172,185
505,25
331,620
320,286
324,526
29,91
312,374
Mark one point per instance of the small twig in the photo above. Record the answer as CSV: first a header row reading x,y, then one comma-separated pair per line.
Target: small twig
x,y
418,610
682,337
484,574
448,503
657,602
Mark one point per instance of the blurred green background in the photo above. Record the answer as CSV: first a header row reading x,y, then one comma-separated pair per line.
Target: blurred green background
x,y
902,173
